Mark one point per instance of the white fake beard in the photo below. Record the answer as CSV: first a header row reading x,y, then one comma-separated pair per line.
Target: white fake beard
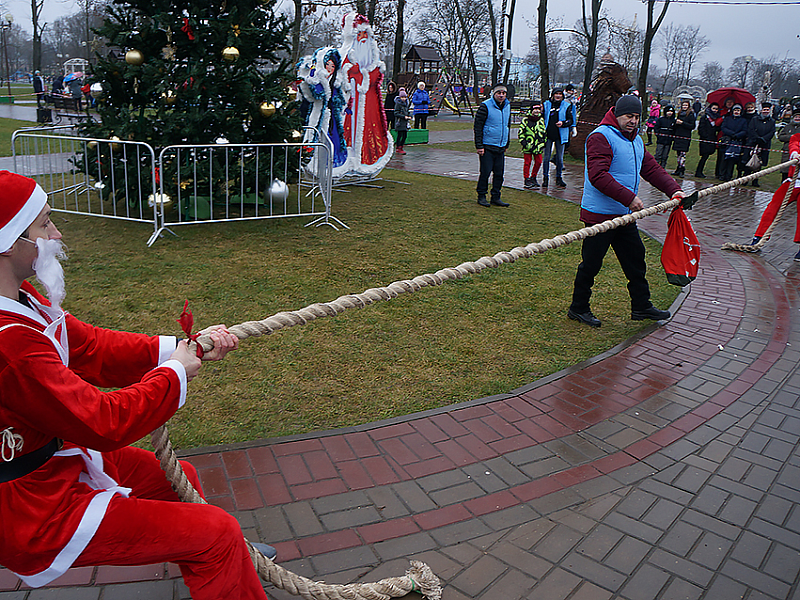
x,y
361,53
49,271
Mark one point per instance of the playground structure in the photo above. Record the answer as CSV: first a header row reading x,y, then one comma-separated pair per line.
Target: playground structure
x,y
425,64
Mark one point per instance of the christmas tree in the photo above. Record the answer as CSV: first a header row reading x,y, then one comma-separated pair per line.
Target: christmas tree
x,y
191,72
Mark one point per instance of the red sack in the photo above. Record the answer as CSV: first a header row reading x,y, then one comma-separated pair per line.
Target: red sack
x,y
681,253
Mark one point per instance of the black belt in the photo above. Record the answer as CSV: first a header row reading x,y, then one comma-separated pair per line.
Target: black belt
x,y
28,463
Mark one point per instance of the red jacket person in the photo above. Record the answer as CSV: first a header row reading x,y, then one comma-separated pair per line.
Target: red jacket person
x,y
72,492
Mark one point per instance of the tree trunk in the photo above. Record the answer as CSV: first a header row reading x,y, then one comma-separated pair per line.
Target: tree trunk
x,y
508,39
398,38
36,11
298,21
371,11
543,64
649,34
473,65
591,48
495,59
361,7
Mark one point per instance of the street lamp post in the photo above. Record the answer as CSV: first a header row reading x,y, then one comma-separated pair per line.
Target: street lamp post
x,y
6,25
747,60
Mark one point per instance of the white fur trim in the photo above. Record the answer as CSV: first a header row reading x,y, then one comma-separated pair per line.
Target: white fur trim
x,y
23,219
95,477
166,346
180,371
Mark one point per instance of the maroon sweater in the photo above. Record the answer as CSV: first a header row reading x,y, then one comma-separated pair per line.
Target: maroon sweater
x,y
598,161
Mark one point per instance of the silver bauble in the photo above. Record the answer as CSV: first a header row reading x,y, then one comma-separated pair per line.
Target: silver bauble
x,y
97,91
278,191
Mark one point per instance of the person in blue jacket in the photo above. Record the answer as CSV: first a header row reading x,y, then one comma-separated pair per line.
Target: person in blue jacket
x,y
492,132
421,101
559,117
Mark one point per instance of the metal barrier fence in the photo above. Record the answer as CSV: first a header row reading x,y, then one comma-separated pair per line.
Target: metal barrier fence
x,y
184,184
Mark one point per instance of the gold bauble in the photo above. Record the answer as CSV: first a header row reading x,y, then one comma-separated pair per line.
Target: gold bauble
x,y
169,97
230,53
267,109
134,57
115,145
91,145
296,135
292,94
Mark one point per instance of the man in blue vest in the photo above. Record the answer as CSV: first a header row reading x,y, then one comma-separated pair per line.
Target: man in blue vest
x,y
559,118
615,159
492,131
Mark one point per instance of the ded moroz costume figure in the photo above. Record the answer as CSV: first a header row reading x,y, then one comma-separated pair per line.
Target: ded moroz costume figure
x,y
368,140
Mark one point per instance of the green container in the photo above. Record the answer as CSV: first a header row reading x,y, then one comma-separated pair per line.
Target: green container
x,y
6,99
196,208
415,136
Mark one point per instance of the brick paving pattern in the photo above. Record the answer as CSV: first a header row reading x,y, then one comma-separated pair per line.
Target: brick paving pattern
x,y
665,468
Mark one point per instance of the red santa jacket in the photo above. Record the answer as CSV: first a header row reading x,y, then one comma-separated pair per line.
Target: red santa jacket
x,y
50,365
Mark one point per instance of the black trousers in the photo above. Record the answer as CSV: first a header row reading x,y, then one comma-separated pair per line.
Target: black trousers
x,y
402,134
492,162
421,121
629,249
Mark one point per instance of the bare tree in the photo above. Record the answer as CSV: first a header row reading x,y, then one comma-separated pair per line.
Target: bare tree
x,y
542,42
455,28
590,28
557,54
712,75
653,23
738,71
692,46
626,42
669,41
579,46
399,37
38,27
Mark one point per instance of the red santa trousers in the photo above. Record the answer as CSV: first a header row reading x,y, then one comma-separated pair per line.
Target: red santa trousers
x,y
772,209
153,526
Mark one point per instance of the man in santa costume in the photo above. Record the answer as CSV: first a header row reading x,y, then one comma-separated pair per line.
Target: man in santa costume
x,y
365,128
777,199
72,492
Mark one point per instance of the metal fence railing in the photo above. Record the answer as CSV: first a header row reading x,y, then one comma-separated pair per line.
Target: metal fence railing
x,y
182,184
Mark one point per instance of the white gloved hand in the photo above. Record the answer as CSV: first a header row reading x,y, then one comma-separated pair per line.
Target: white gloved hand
x,y
574,131
794,155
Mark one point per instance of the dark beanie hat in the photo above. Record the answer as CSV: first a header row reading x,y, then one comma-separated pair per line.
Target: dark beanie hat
x,y
628,105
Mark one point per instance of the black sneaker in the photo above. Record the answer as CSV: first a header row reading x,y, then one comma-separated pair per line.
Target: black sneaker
x,y
545,182
586,318
529,183
650,313
560,183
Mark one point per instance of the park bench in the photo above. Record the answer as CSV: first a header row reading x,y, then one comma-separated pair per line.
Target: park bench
x,y
67,107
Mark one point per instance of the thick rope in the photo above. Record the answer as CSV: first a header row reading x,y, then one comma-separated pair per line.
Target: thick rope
x,y
768,233
419,577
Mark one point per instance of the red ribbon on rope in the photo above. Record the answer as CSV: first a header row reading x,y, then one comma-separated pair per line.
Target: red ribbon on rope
x,y
187,322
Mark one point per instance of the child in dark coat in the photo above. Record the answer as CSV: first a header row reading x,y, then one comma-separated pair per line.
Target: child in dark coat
x,y
665,133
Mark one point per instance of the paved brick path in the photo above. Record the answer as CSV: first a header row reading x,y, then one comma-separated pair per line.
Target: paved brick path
x,y
665,468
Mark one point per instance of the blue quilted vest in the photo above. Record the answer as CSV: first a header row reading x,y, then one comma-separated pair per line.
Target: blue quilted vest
x,y
625,168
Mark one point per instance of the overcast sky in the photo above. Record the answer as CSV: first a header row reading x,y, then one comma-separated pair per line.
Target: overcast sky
x,y
734,30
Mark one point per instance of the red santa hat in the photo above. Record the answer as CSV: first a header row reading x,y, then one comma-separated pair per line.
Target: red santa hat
x,y
21,201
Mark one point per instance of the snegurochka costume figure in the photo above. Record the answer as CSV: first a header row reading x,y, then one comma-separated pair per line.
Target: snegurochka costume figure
x,y
324,88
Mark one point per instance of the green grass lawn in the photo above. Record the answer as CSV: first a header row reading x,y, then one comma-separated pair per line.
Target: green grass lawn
x,y
7,129
474,337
